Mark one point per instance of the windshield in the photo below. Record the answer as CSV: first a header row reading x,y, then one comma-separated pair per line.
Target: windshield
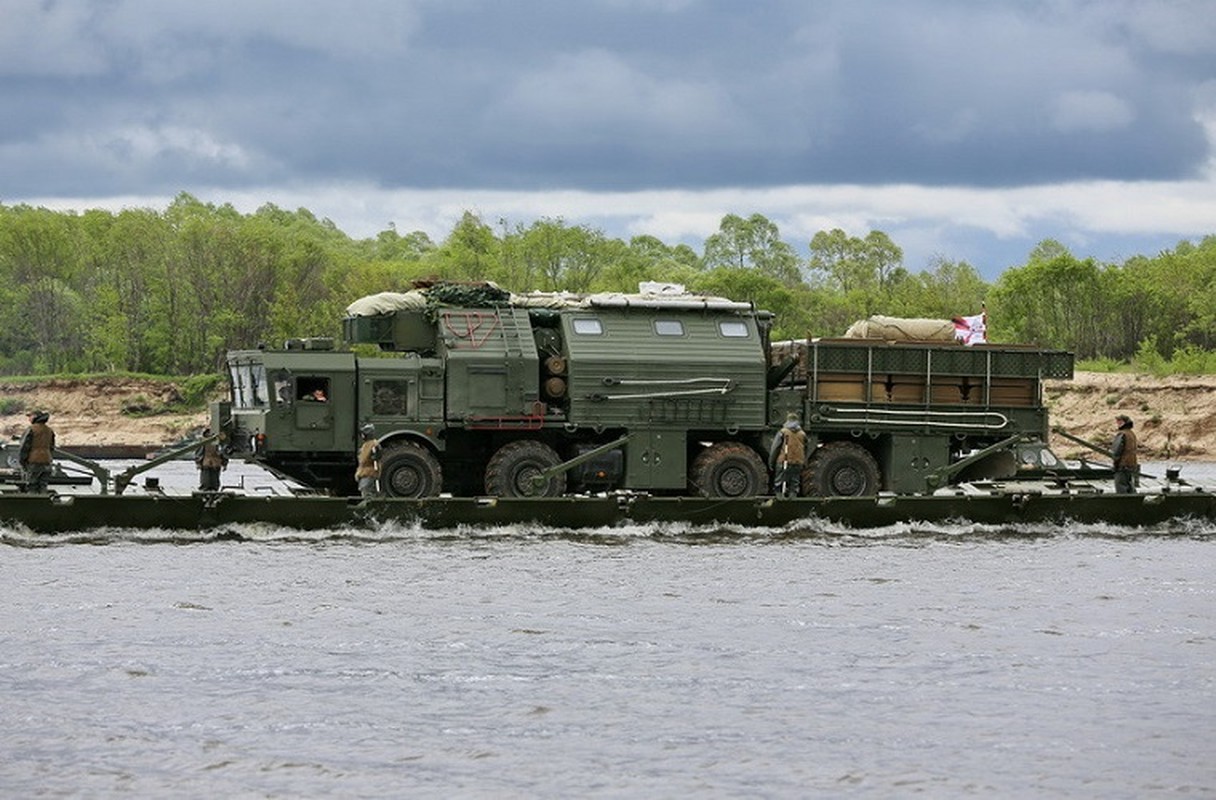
x,y
248,385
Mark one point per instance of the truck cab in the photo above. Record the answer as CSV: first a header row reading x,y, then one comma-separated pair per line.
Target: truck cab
x,y
299,401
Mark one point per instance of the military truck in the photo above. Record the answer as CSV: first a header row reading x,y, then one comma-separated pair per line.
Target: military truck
x,y
474,391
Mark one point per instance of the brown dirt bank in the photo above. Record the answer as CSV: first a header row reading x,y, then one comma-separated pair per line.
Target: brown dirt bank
x,y
90,411
1175,416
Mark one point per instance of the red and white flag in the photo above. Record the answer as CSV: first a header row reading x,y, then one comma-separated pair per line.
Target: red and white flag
x,y
971,330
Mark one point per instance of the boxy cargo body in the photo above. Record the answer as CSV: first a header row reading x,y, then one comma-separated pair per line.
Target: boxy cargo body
x,y
480,400
666,395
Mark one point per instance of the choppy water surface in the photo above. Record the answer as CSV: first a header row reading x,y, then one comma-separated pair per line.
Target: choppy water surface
x,y
634,662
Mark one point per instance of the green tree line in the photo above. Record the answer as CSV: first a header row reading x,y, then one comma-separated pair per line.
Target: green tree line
x,y
167,292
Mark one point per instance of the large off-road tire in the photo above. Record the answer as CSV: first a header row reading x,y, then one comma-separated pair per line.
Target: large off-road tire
x,y
729,469
409,470
512,468
841,469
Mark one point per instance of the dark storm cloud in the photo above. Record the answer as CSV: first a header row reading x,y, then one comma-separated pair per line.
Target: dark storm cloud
x,y
127,96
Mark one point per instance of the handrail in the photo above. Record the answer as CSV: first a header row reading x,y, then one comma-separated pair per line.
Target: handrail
x,y
541,478
123,479
941,476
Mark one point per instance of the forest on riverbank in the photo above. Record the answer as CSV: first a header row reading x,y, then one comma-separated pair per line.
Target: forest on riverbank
x,y
166,292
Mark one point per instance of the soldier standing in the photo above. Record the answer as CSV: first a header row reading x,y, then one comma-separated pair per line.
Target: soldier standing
x,y
368,471
1127,465
37,447
211,460
787,455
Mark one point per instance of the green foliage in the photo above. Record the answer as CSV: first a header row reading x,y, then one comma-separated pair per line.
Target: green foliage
x,y
950,288
1186,360
752,243
1058,303
552,257
1144,311
197,390
168,292
11,405
1191,360
852,264
139,406
1108,365
471,252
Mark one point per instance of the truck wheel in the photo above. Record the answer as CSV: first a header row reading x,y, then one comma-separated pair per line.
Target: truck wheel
x,y
729,469
512,468
841,469
409,470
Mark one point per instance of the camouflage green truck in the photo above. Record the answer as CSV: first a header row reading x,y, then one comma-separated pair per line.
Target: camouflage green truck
x,y
665,393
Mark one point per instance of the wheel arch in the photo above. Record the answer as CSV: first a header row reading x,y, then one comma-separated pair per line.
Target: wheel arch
x,y
413,437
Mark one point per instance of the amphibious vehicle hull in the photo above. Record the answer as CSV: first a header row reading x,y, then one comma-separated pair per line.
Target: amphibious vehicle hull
x,y
208,511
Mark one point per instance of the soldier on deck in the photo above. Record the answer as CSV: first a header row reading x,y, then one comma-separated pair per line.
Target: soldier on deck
x,y
1127,465
787,456
210,459
368,471
37,449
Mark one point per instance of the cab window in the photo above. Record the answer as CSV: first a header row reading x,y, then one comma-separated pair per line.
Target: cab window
x,y
310,389
248,385
733,329
587,326
390,398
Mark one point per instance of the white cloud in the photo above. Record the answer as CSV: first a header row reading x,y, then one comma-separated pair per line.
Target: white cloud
x,y
147,143
1090,111
1179,26
596,93
40,38
369,28
665,6
117,148
176,37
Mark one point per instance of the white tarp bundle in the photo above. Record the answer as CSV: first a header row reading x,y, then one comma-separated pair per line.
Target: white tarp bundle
x,y
385,303
901,329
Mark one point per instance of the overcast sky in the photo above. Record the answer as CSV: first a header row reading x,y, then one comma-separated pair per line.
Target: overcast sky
x,y
967,130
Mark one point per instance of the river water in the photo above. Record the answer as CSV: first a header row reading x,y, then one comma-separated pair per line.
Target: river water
x,y
945,661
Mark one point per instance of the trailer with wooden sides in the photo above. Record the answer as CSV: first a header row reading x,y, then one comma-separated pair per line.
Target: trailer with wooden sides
x,y
889,415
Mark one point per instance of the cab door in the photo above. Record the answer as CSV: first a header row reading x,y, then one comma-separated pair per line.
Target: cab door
x,y
322,410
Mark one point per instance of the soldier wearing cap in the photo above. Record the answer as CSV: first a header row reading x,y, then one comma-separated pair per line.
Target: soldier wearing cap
x,y
1127,466
210,460
368,472
37,449
787,455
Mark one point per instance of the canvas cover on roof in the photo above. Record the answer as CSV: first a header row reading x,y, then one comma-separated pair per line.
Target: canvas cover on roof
x,y
901,329
386,303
